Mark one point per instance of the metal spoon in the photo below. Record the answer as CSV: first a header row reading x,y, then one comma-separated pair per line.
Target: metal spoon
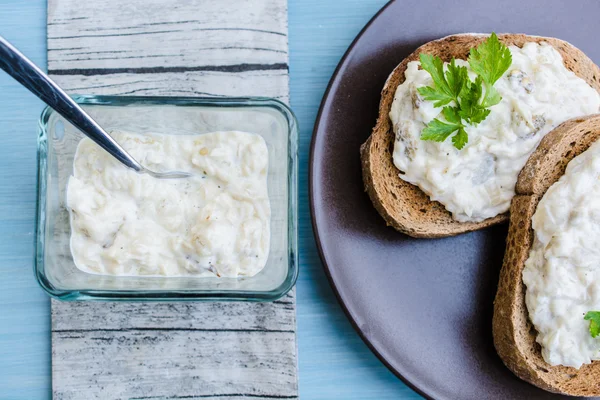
x,y
29,75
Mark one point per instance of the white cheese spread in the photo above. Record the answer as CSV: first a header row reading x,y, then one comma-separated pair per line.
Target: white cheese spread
x,y
538,93
562,273
216,223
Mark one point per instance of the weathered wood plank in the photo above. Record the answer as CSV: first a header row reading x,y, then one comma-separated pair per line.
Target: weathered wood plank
x,y
212,83
172,350
149,364
276,316
154,32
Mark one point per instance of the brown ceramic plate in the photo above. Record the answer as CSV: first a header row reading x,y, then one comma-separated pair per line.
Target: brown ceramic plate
x,y
423,306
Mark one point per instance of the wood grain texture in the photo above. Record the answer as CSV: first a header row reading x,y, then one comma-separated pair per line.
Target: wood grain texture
x,y
189,83
277,316
194,48
172,350
174,364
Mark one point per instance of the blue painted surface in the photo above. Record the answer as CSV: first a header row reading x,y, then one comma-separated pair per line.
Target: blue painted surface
x,y
334,363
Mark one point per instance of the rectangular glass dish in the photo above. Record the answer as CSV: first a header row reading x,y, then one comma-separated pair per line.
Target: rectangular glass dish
x,y
58,140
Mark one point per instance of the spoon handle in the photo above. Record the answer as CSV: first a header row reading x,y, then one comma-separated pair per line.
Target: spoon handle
x,y
29,75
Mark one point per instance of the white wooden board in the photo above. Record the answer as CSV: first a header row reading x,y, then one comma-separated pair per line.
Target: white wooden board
x,y
224,351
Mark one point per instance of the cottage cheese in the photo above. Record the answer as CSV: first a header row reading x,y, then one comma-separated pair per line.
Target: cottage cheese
x,y
538,93
215,223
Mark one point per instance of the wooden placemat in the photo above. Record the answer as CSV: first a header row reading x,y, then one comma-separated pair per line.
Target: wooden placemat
x,y
220,351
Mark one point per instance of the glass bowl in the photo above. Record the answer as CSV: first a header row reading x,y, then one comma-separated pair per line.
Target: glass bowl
x,y
274,121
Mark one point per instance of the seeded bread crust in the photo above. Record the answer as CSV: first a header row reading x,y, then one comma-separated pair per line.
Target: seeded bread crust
x,y
514,334
403,205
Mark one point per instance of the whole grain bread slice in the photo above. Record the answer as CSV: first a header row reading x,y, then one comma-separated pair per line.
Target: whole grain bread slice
x,y
403,205
514,334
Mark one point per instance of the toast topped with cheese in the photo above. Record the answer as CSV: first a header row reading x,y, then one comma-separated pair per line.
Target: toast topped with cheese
x,y
514,332
412,208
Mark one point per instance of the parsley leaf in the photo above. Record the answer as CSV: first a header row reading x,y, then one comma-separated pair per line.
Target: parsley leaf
x,y
456,78
435,67
492,97
470,108
439,98
594,318
452,115
460,139
490,60
448,85
439,131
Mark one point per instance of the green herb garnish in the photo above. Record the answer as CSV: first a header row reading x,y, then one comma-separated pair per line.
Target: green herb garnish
x,y
490,60
594,318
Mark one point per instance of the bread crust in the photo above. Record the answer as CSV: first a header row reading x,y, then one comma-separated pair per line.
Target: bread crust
x,y
514,334
404,206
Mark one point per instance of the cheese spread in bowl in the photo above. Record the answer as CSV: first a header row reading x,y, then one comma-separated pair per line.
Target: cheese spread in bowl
x,y
215,223
562,273
227,233
475,183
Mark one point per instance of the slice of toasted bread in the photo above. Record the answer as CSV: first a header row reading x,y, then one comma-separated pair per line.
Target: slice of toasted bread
x,y
403,205
514,334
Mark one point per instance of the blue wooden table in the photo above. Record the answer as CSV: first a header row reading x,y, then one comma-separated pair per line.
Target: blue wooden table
x,y
334,363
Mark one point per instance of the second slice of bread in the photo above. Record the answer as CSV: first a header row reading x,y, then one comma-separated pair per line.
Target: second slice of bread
x,y
514,334
404,206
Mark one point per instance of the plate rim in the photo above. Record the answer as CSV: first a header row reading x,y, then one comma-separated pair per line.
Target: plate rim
x,y
311,197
